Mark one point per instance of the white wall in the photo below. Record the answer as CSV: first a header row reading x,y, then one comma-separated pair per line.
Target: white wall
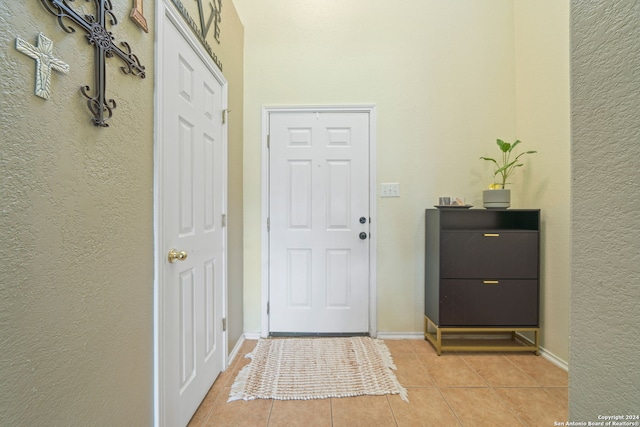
x,y
443,76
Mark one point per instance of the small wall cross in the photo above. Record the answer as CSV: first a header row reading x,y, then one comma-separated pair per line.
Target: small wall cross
x,y
97,35
42,52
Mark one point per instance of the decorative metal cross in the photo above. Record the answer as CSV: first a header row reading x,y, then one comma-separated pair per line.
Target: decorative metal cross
x,y
97,35
42,52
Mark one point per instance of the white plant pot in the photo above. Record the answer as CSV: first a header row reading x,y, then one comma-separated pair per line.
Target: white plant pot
x,y
496,199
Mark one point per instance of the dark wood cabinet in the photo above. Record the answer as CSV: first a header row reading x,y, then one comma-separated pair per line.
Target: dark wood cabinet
x,y
482,276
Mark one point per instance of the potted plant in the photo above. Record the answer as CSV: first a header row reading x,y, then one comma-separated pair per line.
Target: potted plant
x,y
498,197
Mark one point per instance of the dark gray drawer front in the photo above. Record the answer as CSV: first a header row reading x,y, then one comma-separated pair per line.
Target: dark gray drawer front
x,y
488,255
474,303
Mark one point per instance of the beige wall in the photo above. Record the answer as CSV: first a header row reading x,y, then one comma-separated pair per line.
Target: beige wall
x,y
542,106
76,293
443,76
76,285
230,53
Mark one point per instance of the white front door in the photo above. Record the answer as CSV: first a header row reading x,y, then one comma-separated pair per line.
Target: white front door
x,y
319,222
192,189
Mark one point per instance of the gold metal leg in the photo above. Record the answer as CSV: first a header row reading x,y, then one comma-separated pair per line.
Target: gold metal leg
x,y
517,343
435,341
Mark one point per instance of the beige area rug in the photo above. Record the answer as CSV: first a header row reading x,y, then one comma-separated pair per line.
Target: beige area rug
x,y
317,368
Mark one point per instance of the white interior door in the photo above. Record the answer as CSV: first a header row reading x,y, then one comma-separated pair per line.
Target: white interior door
x,y
319,222
192,189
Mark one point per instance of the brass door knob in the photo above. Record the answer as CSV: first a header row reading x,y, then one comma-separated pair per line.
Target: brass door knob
x,y
174,255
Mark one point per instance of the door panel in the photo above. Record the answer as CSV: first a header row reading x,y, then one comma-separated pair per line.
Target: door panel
x,y
187,331
300,194
338,194
338,281
192,190
319,189
299,278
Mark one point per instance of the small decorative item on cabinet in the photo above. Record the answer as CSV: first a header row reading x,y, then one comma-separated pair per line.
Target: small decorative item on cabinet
x,y
452,202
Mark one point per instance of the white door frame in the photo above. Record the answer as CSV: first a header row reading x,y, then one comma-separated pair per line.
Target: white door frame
x,y
166,8
373,294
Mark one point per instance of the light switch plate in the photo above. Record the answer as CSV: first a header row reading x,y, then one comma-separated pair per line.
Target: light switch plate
x,y
390,189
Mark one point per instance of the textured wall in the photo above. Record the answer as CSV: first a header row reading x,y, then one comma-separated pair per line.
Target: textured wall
x,y
76,292
605,291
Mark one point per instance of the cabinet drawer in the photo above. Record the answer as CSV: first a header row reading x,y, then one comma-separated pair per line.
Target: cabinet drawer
x,y
476,303
489,255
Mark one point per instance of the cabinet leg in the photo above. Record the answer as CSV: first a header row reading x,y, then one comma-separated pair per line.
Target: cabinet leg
x,y
435,340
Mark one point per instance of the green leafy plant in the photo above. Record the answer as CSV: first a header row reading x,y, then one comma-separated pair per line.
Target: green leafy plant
x,y
505,166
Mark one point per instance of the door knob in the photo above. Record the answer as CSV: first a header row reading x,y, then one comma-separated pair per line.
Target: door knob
x,y
363,235
174,255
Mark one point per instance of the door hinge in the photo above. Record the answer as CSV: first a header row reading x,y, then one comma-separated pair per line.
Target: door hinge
x,y
224,324
267,307
268,224
224,116
224,220
268,141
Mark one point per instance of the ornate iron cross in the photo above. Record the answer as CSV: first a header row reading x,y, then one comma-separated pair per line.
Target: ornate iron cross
x,y
97,35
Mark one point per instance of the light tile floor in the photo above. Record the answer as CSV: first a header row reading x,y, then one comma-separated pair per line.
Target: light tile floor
x,y
455,389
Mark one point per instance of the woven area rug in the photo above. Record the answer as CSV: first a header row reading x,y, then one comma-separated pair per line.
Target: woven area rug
x,y
317,368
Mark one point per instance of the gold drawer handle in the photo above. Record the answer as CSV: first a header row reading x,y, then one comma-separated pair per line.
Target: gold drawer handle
x,y
490,282
491,235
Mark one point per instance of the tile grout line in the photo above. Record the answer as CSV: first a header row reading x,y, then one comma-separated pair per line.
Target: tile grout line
x,y
331,410
449,405
492,388
513,411
464,359
270,412
518,368
393,415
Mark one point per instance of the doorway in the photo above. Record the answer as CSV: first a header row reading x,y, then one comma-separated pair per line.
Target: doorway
x,y
191,196
319,211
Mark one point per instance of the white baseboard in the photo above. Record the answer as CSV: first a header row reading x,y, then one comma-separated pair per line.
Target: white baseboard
x,y
252,335
235,351
400,335
549,356
554,359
